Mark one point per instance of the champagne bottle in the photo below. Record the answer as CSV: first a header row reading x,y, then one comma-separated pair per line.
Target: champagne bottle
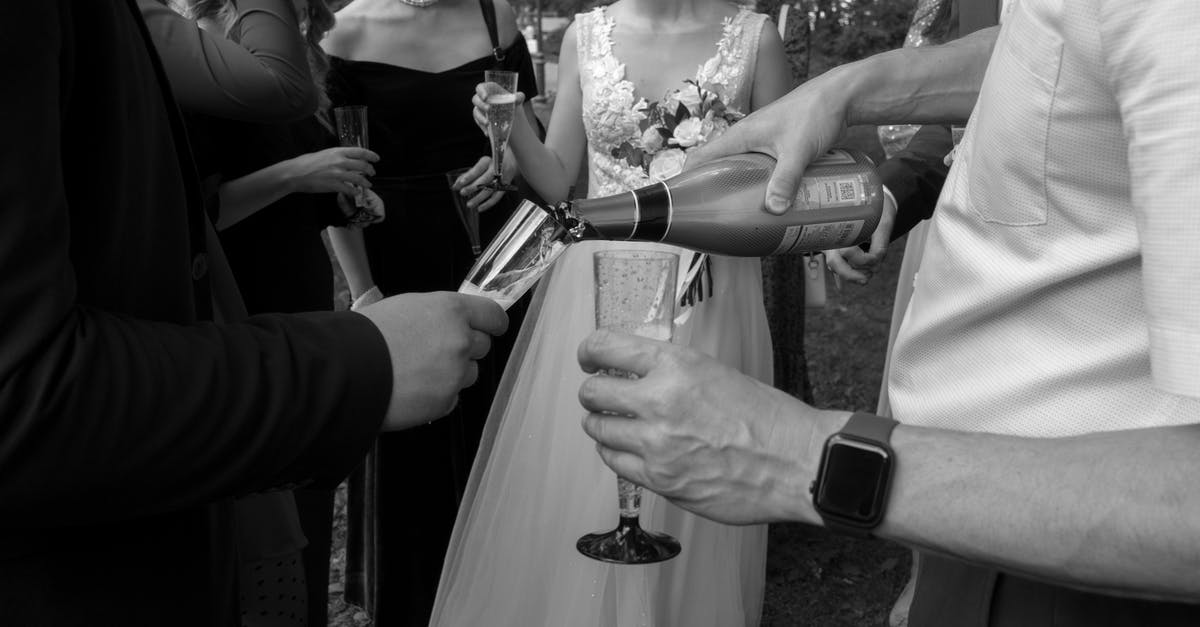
x,y
715,208
718,208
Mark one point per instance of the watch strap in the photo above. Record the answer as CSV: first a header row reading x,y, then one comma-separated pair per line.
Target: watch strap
x,y
870,427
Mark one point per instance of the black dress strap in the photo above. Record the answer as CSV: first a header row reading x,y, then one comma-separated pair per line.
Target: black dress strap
x,y
489,17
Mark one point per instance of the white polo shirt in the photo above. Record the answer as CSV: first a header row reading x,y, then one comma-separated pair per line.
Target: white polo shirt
x,y
1060,288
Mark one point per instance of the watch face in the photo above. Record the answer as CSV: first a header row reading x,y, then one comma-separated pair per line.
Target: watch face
x,y
854,480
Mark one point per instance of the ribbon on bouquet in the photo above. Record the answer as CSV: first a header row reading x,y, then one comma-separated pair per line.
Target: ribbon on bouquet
x,y
696,281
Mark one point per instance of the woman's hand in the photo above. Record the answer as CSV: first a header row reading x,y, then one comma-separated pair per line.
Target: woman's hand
x,y
339,170
360,217
471,183
481,107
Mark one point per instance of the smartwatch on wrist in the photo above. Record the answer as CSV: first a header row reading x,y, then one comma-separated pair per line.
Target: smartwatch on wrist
x,y
854,476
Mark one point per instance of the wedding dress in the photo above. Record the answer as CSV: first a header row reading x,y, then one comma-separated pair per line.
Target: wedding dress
x,y
538,484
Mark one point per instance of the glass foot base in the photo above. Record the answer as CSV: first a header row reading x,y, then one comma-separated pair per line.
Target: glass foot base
x,y
629,544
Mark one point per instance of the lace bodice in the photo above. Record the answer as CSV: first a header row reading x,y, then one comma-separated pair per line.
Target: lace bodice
x,y
610,111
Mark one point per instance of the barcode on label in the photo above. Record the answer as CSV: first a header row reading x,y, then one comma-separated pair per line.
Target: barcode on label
x,y
845,190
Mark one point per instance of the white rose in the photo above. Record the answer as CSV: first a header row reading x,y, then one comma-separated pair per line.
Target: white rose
x,y
688,133
666,164
652,140
709,69
688,96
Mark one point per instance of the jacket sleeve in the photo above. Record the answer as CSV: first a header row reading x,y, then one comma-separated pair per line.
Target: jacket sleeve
x,y
915,176
263,76
104,416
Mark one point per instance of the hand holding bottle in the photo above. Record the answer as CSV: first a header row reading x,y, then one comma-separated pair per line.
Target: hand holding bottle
x,y
795,130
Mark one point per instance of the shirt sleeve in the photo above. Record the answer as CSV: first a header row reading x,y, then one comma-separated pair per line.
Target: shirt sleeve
x,y
264,78
1151,54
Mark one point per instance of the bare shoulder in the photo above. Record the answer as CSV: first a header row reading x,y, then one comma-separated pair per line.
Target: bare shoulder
x,y
769,42
570,40
347,32
360,22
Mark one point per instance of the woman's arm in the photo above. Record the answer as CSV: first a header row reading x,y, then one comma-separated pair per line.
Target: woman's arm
x,y
331,170
552,168
772,74
264,78
242,197
351,253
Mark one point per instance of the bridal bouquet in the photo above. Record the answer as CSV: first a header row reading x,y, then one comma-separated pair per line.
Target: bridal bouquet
x,y
685,118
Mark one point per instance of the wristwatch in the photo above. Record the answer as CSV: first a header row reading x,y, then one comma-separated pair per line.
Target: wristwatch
x,y
851,489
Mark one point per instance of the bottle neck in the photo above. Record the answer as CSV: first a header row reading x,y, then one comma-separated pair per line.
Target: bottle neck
x,y
643,214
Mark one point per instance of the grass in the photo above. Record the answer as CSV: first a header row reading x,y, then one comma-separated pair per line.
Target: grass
x,y
815,578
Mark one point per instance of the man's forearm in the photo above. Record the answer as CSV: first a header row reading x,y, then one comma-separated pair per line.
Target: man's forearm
x,y
925,85
1116,513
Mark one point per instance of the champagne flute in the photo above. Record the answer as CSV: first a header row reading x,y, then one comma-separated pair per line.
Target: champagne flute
x,y
351,124
469,216
518,256
635,293
501,86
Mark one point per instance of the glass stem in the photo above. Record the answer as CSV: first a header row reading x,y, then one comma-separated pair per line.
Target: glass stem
x,y
629,499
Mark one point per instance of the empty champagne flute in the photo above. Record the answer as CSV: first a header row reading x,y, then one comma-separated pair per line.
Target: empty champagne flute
x,y
469,216
635,293
351,124
501,86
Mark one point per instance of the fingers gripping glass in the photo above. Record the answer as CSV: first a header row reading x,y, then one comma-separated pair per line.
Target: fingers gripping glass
x,y
635,293
352,132
501,89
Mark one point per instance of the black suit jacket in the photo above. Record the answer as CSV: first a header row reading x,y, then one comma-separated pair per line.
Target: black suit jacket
x,y
125,423
915,176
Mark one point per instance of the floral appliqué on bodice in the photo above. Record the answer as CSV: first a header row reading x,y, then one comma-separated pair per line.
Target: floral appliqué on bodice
x,y
610,111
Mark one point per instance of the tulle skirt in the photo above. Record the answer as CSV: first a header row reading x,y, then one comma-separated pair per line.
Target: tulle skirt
x,y
537,483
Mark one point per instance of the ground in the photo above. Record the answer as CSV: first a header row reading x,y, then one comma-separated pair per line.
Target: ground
x,y
813,578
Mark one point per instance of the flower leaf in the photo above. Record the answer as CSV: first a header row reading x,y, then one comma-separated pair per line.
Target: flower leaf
x,y
682,113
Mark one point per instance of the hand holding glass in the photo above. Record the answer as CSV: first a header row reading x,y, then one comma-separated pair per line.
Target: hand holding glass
x,y
635,293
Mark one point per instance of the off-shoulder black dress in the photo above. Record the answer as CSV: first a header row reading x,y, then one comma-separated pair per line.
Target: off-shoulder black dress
x,y
404,501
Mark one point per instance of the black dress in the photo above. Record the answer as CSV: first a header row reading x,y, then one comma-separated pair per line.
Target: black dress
x,y
281,265
404,502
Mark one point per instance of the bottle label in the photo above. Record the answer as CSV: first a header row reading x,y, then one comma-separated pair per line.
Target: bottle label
x,y
817,237
827,193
